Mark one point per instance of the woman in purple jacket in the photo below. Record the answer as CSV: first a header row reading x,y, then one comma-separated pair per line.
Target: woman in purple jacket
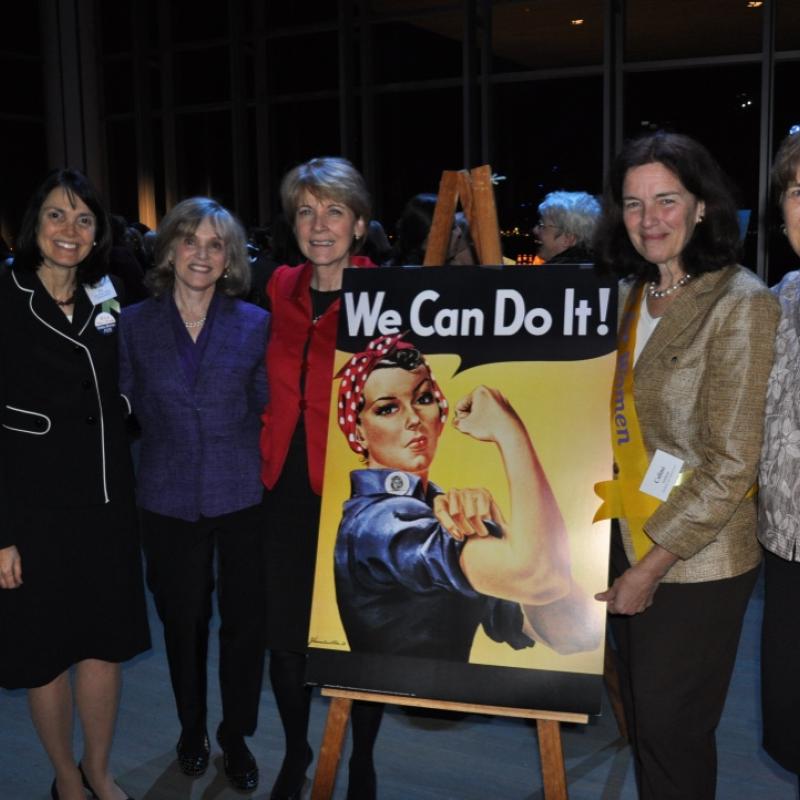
x,y
192,367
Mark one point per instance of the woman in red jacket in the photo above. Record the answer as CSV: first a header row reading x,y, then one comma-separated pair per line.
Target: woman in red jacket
x,y
329,207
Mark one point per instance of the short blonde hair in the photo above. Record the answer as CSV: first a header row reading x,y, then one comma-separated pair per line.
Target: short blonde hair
x,y
327,178
184,219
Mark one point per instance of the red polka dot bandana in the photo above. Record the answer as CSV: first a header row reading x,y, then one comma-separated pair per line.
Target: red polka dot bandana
x,y
354,376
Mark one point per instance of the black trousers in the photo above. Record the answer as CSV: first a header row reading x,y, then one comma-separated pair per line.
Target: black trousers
x,y
675,662
180,573
780,661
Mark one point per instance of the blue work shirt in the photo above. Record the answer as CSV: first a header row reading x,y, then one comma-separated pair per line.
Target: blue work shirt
x,y
399,583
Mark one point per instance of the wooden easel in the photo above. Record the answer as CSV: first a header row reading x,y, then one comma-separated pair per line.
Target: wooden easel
x,y
474,189
547,727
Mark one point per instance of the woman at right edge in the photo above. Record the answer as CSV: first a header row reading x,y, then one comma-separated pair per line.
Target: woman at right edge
x,y
694,354
779,491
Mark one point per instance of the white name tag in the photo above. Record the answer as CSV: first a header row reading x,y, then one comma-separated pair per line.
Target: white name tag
x,y
661,475
102,290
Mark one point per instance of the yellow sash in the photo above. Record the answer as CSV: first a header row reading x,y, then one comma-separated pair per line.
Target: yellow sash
x,y
621,496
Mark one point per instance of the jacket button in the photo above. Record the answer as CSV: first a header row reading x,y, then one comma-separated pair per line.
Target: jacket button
x,y
90,420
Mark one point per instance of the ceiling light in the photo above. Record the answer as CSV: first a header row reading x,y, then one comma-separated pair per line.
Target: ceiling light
x,y
755,3
576,22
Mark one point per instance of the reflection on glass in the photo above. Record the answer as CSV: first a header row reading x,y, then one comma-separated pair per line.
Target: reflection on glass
x,y
684,29
547,33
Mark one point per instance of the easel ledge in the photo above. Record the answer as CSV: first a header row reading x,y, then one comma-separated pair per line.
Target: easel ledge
x,y
446,705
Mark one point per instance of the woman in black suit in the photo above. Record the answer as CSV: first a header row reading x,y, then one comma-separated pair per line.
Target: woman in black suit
x,y
70,567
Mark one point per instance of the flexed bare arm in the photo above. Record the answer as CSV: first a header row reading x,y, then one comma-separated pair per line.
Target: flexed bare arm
x,y
530,563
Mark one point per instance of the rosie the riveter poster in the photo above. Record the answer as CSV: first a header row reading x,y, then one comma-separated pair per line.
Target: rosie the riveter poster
x,y
457,556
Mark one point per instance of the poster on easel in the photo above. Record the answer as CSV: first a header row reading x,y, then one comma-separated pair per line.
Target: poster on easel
x,y
457,556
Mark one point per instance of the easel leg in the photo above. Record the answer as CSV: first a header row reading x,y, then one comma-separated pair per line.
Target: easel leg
x,y
554,775
331,751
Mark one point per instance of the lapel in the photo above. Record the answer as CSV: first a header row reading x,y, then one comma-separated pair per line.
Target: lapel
x,y
47,313
693,300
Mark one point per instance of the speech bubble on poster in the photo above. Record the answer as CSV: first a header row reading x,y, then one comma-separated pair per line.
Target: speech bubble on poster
x,y
484,314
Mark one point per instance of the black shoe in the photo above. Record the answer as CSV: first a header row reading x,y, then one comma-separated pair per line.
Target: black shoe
x,y
240,766
86,786
193,756
54,791
291,780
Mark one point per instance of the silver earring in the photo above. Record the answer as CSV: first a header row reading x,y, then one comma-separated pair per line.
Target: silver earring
x,y
783,229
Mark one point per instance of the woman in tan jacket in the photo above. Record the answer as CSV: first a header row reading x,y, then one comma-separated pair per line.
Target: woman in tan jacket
x,y
694,353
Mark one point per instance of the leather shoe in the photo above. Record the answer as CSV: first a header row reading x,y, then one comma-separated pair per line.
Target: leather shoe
x,y
240,766
289,786
86,785
193,757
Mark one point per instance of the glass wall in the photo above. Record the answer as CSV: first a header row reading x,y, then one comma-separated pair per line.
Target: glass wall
x,y
542,90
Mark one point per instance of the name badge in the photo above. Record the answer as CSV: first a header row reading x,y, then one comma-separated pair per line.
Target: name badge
x,y
100,291
661,475
105,323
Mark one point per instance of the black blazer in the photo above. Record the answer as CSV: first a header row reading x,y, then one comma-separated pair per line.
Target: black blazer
x,y
62,435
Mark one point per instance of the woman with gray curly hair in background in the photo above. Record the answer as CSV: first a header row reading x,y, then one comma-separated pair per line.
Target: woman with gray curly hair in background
x,y
566,227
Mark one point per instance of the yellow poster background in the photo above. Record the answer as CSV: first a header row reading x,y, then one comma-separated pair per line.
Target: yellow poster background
x,y
564,406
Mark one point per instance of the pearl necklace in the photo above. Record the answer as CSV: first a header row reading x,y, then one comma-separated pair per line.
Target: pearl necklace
x,y
195,323
659,293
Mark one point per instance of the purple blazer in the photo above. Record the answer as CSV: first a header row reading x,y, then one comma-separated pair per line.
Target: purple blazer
x,y
199,453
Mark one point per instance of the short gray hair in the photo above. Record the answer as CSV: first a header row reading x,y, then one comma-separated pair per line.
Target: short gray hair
x,y
573,212
184,219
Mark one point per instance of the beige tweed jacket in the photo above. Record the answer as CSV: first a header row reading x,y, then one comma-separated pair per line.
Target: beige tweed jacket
x,y
699,387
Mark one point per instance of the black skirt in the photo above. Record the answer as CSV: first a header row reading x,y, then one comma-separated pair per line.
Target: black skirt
x,y
82,594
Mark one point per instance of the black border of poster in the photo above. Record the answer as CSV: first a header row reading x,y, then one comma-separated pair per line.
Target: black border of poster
x,y
452,681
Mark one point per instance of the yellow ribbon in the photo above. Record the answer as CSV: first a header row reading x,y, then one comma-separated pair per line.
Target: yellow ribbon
x,y
621,496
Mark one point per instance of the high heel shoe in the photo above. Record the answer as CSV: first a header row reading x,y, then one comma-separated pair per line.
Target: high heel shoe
x,y
87,786
287,786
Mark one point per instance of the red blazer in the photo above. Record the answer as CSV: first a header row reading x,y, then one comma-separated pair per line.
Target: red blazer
x,y
291,328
